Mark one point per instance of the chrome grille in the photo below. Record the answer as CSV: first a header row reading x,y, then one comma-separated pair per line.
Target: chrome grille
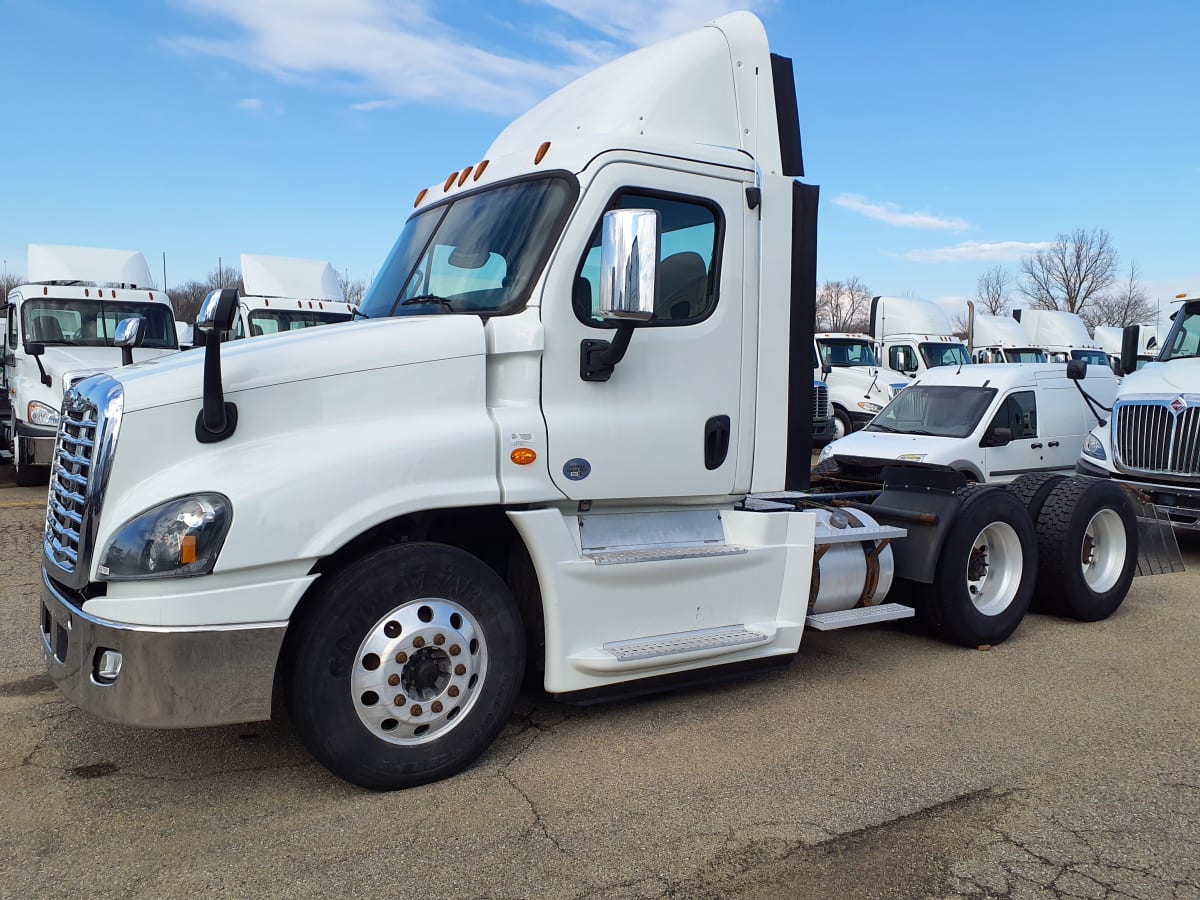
x,y
1160,436
820,401
70,475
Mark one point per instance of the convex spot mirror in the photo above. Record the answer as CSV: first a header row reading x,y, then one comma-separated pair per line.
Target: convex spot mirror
x,y
628,264
130,332
219,310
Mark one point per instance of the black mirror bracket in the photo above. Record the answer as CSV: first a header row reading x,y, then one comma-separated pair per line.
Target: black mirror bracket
x,y
36,349
598,359
217,418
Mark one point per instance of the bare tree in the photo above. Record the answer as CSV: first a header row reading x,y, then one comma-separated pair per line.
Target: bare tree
x,y
994,292
8,281
1126,304
187,297
959,324
1075,271
844,305
353,291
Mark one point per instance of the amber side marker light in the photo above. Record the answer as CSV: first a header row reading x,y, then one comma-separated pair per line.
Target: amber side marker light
x,y
187,549
541,153
523,456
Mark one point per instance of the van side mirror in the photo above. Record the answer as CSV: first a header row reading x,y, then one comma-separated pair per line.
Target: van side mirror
x,y
130,333
1130,341
998,436
629,249
1076,369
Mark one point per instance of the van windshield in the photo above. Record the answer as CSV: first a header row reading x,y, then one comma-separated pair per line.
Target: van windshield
x,y
1184,340
935,410
92,323
479,253
842,352
944,354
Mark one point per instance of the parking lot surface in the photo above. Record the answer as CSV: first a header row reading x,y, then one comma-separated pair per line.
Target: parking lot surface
x,y
881,763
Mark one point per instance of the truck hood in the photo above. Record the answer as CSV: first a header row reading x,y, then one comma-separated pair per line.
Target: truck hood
x,y
310,353
59,360
881,445
859,378
1175,377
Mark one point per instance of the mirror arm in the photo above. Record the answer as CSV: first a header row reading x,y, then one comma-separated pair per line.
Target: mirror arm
x,y
46,380
217,418
598,359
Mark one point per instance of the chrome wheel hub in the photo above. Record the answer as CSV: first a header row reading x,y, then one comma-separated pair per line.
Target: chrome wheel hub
x,y
1102,556
994,568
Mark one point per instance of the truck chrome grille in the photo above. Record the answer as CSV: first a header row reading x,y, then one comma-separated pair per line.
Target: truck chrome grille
x,y
820,401
70,476
1159,436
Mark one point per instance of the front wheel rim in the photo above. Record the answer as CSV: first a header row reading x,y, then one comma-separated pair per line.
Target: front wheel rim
x,y
994,568
418,671
1102,556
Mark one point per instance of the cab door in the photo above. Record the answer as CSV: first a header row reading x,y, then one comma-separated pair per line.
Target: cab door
x,y
667,422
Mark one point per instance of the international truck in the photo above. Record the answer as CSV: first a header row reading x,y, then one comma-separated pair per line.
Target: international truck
x,y
1151,440
914,335
1063,335
859,385
60,327
1000,339
574,421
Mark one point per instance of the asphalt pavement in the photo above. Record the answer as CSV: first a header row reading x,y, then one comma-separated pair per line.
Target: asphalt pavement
x,y
881,763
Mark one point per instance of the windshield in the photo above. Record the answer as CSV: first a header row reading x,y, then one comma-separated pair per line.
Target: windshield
x,y
273,321
1025,355
480,253
842,352
1184,340
944,354
1091,357
91,323
934,410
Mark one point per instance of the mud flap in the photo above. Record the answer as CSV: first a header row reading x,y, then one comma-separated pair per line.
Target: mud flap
x,y
1158,550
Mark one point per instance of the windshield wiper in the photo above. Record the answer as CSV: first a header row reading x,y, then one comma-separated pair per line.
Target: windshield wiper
x,y
879,426
428,298
358,312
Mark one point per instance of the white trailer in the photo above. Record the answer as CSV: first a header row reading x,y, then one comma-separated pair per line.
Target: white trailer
x,y
914,335
60,327
1063,335
581,438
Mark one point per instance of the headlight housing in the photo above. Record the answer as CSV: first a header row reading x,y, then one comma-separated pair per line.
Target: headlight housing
x,y
826,452
1093,448
42,414
912,457
869,406
177,538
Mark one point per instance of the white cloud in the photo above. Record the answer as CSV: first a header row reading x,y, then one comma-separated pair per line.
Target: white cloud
x,y
250,104
977,251
894,215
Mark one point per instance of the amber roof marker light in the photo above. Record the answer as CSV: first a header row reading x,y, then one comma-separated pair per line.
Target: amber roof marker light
x,y
541,153
420,197
479,169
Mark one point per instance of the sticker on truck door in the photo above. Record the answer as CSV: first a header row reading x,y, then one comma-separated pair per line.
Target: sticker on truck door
x,y
577,469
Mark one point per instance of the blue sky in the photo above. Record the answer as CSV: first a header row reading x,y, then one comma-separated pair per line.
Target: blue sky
x,y
947,136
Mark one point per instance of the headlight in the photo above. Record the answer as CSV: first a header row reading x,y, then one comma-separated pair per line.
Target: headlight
x,y
912,457
869,406
41,414
826,452
1093,448
179,537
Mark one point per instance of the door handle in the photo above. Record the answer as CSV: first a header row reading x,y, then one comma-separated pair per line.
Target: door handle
x,y
1035,446
716,442
1052,444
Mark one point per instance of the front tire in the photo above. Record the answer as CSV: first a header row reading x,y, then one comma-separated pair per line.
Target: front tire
x,y
986,571
842,425
406,666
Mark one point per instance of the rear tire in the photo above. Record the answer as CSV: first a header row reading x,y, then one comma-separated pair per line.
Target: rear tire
x,y
406,666
1033,489
1088,542
986,571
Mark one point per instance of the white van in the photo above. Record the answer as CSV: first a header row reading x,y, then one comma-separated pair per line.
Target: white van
x,y
990,422
914,335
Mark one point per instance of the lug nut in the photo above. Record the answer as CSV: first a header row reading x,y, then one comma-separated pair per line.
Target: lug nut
x,y
440,639
402,657
435,706
455,649
393,680
416,709
460,669
418,642
452,690
399,701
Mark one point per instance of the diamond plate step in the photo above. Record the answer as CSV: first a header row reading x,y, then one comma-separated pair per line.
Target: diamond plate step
x,y
651,554
685,642
865,615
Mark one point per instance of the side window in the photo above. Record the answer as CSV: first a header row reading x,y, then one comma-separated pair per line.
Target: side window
x,y
902,358
1019,413
688,262
12,328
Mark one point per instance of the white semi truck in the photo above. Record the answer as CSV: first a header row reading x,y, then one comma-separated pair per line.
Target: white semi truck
x,y
1151,441
1110,339
284,293
914,335
859,386
1063,335
1000,339
60,327
580,413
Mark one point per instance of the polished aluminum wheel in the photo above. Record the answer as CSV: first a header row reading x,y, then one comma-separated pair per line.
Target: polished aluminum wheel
x,y
1104,548
994,568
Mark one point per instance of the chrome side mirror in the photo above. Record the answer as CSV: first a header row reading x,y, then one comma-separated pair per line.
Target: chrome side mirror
x,y
129,334
219,311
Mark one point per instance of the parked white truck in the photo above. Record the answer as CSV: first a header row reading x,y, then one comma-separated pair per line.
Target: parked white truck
x,y
580,415
914,335
1152,439
1110,339
1000,339
1063,335
284,293
60,327
859,386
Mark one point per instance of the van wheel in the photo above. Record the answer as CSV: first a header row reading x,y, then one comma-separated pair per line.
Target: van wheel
x,y
841,424
986,572
406,666
1088,541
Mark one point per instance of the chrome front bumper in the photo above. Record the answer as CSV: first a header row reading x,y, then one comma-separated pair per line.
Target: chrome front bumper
x,y
177,677
34,448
